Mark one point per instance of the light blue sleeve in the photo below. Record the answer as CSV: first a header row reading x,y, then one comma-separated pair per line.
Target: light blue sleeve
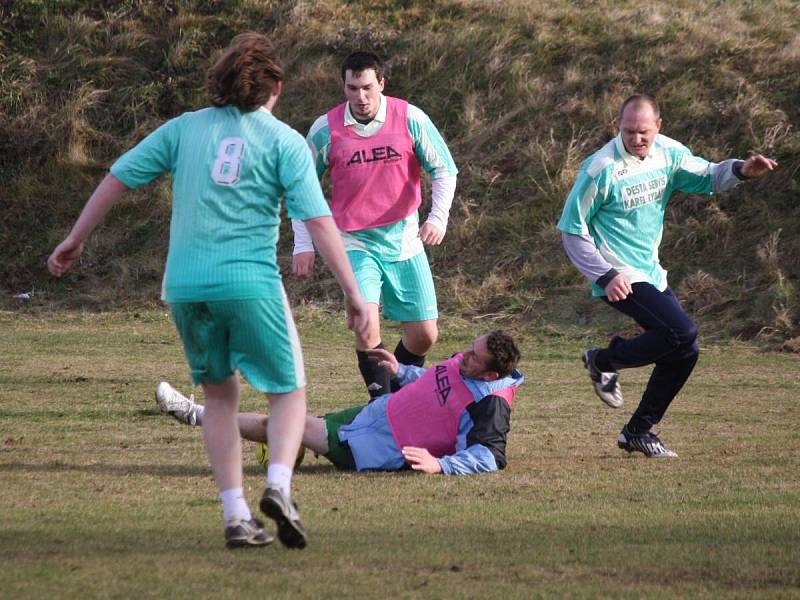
x,y
154,155
475,459
693,174
408,373
429,145
319,141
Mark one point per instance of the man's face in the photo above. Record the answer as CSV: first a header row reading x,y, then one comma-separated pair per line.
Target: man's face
x,y
639,126
475,359
363,92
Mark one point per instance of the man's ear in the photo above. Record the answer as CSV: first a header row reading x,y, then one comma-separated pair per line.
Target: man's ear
x,y
490,376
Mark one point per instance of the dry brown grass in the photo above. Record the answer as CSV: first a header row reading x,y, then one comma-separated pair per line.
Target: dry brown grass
x,y
523,92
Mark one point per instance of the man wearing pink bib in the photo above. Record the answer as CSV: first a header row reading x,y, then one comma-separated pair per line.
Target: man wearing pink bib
x,y
375,147
452,418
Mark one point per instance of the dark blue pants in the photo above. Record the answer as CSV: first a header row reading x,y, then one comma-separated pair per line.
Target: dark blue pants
x,y
668,341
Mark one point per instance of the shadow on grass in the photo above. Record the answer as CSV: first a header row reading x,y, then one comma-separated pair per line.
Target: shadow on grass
x,y
121,470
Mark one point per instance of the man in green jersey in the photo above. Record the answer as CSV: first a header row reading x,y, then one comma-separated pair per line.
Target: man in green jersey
x,y
231,166
611,228
374,147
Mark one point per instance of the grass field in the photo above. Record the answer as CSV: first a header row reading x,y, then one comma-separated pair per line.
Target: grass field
x,y
101,496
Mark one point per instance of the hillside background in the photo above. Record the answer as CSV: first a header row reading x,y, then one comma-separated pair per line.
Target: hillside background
x,y
522,91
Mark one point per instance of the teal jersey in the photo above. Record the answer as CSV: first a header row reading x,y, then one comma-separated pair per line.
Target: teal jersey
x,y
398,241
230,171
620,201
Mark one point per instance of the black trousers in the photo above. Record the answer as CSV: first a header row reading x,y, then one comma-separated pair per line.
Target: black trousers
x,y
669,341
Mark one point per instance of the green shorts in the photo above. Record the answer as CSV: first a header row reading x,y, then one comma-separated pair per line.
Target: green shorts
x,y
338,453
257,337
404,287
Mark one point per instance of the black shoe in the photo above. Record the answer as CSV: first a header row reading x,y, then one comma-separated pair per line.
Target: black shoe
x,y
281,509
246,534
647,443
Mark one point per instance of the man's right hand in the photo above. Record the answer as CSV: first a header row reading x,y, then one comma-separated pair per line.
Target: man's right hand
x,y
618,288
358,318
385,359
303,264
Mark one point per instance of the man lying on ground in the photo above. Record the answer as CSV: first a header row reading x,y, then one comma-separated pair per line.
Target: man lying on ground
x,y
452,418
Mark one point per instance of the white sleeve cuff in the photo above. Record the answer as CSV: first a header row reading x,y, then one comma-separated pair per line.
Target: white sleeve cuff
x,y
443,190
302,239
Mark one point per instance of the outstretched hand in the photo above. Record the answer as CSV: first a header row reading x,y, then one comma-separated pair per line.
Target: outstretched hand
x,y
385,359
757,165
421,460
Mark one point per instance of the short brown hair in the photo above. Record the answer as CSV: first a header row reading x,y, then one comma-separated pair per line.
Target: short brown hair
x,y
362,60
641,99
246,73
504,352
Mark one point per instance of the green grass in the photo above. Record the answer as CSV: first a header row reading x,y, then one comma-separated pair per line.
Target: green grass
x,y
101,496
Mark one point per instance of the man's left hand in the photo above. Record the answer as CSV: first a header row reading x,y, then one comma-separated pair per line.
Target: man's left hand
x,y
757,165
430,234
421,460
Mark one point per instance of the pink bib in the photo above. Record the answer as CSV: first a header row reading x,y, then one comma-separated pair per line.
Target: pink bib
x,y
375,179
426,412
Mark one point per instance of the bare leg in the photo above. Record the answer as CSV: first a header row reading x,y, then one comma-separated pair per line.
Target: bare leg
x,y
286,425
253,427
221,434
420,336
373,336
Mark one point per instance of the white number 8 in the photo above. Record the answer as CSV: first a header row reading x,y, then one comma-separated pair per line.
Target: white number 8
x,y
228,164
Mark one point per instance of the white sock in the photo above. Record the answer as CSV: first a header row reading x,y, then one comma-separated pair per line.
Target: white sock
x,y
234,506
280,475
199,412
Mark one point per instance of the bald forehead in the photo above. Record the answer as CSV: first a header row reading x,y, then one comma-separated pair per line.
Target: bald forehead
x,y
637,107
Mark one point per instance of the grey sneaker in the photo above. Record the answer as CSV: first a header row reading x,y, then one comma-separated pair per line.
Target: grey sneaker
x,y
281,509
173,403
647,443
246,534
606,384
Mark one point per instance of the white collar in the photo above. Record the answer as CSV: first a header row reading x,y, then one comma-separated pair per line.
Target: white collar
x,y
627,157
380,116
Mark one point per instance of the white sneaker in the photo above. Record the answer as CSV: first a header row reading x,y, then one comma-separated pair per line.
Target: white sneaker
x,y
173,403
606,385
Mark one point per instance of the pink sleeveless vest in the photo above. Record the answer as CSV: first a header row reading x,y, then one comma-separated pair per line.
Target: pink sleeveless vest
x,y
375,179
426,413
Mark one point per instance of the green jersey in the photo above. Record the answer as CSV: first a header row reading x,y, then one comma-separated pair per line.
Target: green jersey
x,y
620,201
398,241
230,171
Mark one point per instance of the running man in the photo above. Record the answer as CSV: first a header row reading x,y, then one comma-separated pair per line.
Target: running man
x,y
231,164
375,147
611,228
453,418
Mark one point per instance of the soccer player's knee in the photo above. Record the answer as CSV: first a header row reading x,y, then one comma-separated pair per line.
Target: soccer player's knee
x,y
421,339
682,337
688,336
431,335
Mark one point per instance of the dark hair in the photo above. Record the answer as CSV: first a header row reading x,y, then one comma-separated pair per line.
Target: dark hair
x,y
504,351
246,73
641,99
361,61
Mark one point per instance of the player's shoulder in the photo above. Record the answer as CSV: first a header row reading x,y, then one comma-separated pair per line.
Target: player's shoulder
x,y
669,144
418,116
601,161
320,128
